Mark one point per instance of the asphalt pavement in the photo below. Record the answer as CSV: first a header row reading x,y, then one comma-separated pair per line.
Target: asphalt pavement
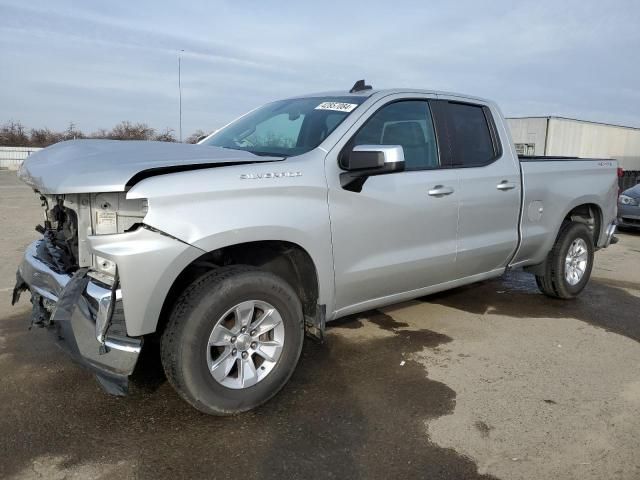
x,y
492,380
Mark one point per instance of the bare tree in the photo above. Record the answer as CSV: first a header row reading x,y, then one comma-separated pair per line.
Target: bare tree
x,y
13,134
43,137
195,136
100,133
131,131
166,136
72,133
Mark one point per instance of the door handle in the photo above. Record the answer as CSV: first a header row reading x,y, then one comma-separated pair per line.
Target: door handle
x,y
505,185
440,191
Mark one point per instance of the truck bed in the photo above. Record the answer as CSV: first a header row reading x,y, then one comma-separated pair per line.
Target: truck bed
x,y
552,187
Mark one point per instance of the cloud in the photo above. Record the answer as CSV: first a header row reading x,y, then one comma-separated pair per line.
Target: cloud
x,y
97,64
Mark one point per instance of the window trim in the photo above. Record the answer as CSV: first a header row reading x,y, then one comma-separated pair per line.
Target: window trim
x,y
493,134
348,146
493,131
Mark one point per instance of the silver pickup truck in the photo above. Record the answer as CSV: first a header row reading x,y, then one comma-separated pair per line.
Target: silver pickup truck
x,y
300,212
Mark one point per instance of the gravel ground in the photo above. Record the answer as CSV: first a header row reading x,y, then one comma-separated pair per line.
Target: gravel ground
x,y
493,380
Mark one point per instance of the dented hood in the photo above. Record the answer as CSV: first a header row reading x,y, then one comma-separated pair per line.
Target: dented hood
x,y
91,166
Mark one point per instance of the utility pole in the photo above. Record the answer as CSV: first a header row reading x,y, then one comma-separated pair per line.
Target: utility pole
x,y
180,94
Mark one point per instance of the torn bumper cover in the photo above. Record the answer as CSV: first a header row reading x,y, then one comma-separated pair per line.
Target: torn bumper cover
x,y
78,308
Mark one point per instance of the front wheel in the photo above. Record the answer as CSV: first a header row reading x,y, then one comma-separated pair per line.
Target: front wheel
x,y
568,265
233,339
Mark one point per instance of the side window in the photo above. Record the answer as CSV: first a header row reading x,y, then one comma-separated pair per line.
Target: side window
x,y
470,135
407,123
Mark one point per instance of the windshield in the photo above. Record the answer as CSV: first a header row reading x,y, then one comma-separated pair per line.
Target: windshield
x,y
286,127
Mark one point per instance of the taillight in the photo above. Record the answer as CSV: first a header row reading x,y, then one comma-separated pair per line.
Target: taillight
x,y
620,175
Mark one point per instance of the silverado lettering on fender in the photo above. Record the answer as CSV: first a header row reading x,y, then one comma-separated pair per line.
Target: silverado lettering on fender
x,y
368,198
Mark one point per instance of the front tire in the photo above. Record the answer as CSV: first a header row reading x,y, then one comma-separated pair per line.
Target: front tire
x,y
233,339
568,265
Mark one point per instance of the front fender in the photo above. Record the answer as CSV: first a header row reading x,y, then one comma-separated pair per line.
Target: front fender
x,y
148,264
212,209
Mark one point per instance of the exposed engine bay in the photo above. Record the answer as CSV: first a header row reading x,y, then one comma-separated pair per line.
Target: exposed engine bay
x,y
70,219
59,246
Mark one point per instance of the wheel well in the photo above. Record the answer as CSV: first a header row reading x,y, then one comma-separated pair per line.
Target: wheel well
x,y
287,260
589,214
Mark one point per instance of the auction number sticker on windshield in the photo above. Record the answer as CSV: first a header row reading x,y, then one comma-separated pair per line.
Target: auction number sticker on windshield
x,y
337,106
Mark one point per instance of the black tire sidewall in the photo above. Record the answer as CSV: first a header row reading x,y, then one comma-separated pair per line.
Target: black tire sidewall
x,y
572,232
209,395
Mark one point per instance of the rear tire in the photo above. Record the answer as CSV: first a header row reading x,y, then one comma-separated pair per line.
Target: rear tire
x,y
213,364
568,265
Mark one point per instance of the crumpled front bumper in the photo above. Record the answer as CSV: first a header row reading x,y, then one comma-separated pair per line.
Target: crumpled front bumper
x,y
78,308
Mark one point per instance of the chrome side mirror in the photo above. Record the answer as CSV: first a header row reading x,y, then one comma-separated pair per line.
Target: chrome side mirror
x,y
386,158
365,161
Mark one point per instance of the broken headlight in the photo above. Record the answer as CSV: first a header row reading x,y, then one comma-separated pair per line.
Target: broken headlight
x,y
113,213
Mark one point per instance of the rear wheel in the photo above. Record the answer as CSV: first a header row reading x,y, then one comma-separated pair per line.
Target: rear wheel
x,y
568,265
233,340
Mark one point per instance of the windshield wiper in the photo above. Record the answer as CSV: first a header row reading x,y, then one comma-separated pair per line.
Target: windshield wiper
x,y
259,153
267,154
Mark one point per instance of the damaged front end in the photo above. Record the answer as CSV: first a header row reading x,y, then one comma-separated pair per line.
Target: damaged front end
x,y
76,294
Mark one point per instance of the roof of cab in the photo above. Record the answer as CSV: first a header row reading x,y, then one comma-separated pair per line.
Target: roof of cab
x,y
389,91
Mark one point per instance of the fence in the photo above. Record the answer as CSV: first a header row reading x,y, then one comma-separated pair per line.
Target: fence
x,y
12,157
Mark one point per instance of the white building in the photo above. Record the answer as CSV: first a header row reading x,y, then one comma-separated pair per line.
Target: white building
x,y
12,157
567,137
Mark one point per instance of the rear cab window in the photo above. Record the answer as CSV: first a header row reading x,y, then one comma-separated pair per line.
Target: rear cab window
x,y
466,133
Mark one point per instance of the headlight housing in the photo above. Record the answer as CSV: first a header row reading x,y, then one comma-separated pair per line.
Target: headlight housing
x,y
627,200
113,213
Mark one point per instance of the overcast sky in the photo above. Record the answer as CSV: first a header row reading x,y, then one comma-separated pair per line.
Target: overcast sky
x,y
97,63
